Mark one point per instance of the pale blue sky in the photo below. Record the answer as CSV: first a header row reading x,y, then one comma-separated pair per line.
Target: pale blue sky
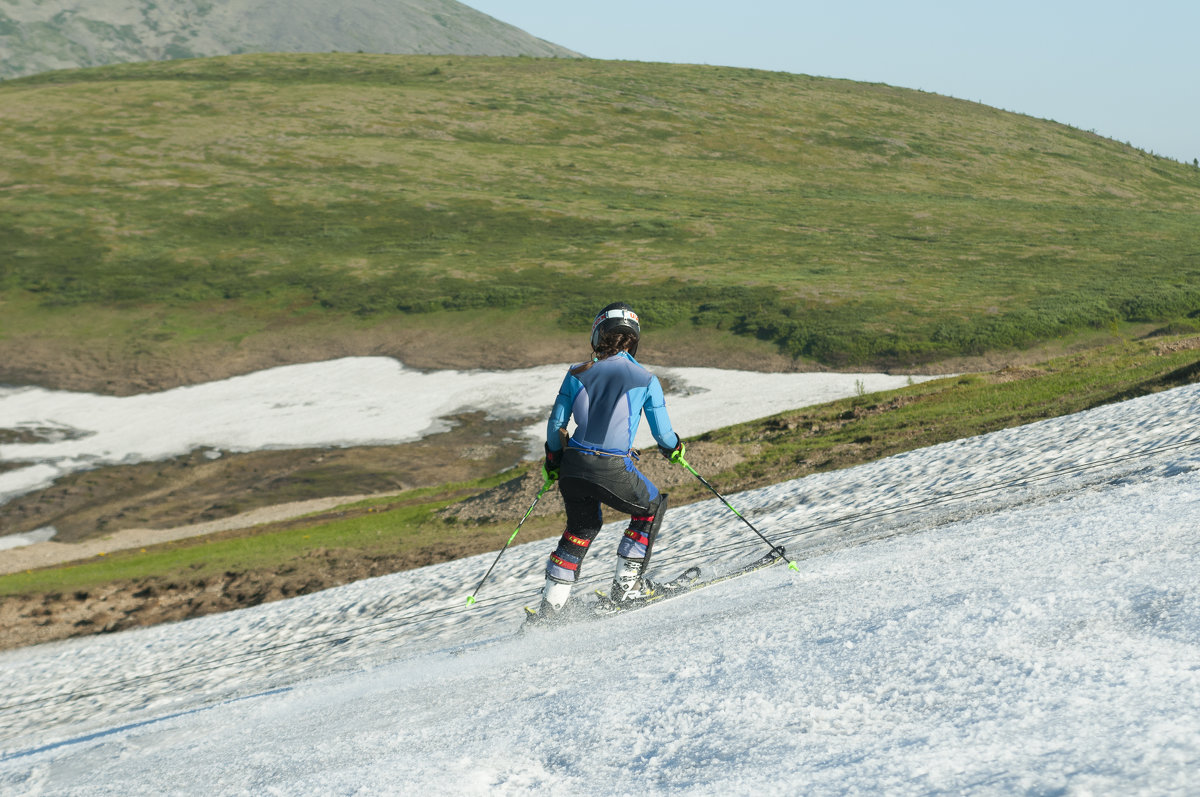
x,y
1127,70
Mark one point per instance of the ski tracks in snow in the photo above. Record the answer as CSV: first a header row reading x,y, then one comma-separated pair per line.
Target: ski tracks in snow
x,y
75,692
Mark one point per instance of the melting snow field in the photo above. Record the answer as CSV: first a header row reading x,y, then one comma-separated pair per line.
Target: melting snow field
x,y
354,401
1012,613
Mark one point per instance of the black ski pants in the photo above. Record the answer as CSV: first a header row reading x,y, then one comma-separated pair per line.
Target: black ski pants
x,y
589,482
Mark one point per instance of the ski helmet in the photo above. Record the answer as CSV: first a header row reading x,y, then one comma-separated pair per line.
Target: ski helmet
x,y
617,316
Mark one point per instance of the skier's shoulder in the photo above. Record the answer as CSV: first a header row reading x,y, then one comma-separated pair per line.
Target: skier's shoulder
x,y
620,368
572,382
632,366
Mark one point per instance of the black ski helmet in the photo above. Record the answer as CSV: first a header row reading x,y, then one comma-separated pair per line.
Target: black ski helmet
x,y
617,316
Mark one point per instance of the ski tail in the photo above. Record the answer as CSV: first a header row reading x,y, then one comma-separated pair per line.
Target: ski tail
x,y
688,581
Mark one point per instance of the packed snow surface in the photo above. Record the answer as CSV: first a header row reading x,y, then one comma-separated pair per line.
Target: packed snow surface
x,y
1013,613
354,401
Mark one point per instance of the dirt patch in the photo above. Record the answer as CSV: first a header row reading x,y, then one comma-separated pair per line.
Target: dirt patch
x,y
34,619
1014,373
1173,346
19,437
207,485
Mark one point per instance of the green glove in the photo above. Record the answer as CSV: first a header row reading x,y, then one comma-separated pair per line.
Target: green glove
x,y
550,465
674,455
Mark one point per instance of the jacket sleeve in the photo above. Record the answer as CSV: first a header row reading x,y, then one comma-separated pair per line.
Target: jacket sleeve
x,y
560,413
656,415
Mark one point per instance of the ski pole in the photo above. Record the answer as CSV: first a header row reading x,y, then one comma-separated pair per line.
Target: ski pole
x,y
774,548
545,489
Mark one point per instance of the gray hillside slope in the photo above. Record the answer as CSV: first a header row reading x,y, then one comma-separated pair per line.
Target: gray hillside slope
x,y
41,35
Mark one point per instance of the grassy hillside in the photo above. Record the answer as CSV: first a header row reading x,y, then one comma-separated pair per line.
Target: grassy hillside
x,y
213,201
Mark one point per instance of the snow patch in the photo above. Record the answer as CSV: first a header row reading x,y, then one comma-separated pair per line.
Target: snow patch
x,y
44,534
354,401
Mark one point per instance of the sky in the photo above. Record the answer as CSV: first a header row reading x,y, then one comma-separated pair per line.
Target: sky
x,y
1015,613
1127,71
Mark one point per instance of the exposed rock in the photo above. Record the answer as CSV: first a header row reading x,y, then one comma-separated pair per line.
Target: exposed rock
x,y
41,35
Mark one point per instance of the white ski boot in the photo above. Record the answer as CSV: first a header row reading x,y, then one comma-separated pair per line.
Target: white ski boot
x,y
553,606
628,585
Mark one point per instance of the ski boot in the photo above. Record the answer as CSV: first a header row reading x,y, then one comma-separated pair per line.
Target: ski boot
x,y
553,609
629,586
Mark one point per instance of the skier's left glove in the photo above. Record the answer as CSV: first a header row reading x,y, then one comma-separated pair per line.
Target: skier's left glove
x,y
675,455
551,464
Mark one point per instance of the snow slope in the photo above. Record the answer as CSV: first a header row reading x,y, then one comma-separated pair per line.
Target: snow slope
x,y
1013,613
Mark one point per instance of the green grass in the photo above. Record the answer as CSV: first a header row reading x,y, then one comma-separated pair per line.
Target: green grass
x,y
871,427
210,557
784,446
847,223
375,525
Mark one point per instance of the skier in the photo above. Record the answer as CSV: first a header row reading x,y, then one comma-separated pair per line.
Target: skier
x,y
607,396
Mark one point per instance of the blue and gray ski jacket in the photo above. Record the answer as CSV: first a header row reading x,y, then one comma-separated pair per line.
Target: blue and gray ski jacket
x,y
607,401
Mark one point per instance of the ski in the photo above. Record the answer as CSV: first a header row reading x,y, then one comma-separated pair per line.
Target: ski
x,y
573,611
686,582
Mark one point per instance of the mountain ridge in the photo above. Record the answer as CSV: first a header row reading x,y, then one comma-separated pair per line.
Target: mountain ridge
x,y
39,36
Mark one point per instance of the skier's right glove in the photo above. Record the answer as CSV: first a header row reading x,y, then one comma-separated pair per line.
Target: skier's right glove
x,y
675,455
551,464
